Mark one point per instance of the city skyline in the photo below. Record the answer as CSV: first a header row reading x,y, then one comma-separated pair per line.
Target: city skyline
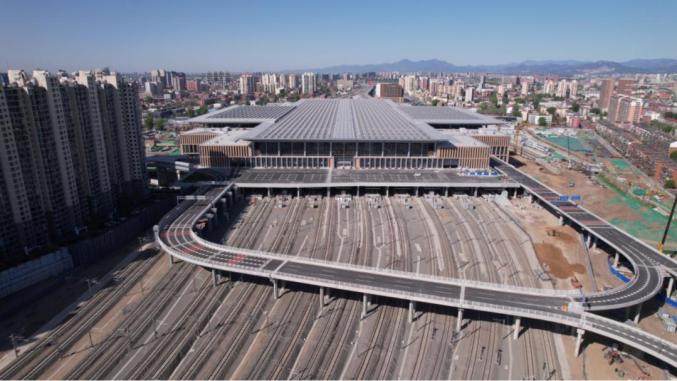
x,y
135,37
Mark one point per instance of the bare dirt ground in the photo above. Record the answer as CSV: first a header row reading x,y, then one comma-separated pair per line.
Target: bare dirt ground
x,y
558,265
595,198
558,248
592,365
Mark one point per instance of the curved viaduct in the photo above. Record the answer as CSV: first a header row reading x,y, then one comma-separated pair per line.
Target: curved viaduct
x,y
176,235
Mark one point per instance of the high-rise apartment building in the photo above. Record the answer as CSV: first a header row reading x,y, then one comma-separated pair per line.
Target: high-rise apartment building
x,y
158,76
389,91
71,153
247,84
605,92
469,94
562,87
179,81
193,85
292,81
549,87
272,83
410,84
624,109
625,86
573,89
308,83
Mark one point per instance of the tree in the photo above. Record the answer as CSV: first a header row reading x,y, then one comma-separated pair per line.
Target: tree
x,y
673,155
516,110
551,110
575,107
493,99
148,122
669,184
201,110
262,101
148,99
190,112
596,110
542,122
435,102
160,124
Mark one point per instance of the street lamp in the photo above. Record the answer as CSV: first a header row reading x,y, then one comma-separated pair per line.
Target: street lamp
x,y
661,245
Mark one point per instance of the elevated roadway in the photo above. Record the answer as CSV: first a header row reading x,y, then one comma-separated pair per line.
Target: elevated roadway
x,y
365,178
644,259
177,236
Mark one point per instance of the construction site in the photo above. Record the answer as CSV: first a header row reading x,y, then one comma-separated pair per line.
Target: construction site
x,y
589,164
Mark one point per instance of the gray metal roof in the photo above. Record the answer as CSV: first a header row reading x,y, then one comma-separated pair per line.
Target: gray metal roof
x,y
244,114
252,112
448,115
346,120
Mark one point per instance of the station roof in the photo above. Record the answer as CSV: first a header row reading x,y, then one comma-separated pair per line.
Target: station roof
x,y
345,120
448,115
228,137
244,114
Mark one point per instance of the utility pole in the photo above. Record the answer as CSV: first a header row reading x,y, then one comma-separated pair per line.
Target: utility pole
x,y
661,245
15,339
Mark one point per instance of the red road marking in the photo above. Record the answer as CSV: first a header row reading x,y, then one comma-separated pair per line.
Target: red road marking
x,y
236,260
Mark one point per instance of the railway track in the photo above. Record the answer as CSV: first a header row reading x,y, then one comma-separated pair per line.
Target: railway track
x,y
547,352
360,255
309,367
476,329
330,350
166,352
224,333
493,251
297,309
441,351
390,319
47,351
100,362
237,345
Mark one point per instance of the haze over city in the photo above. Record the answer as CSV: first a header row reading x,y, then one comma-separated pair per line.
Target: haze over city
x,y
205,36
358,190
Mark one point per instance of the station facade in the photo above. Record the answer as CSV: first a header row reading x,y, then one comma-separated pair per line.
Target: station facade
x,y
345,133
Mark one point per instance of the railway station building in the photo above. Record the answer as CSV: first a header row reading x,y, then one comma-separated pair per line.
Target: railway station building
x,y
355,133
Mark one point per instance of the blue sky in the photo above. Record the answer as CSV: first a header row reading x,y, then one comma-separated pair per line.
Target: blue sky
x,y
277,35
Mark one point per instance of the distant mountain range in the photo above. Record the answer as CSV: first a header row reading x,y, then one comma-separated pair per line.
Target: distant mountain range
x,y
564,67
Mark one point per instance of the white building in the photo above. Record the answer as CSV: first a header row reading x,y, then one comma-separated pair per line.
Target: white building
x,y
308,83
292,81
469,94
410,84
562,88
247,84
549,87
573,89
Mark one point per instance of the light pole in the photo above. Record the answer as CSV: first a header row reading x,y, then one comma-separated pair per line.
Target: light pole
x,y
15,339
661,245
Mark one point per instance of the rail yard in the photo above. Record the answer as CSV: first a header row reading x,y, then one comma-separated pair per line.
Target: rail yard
x,y
184,326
